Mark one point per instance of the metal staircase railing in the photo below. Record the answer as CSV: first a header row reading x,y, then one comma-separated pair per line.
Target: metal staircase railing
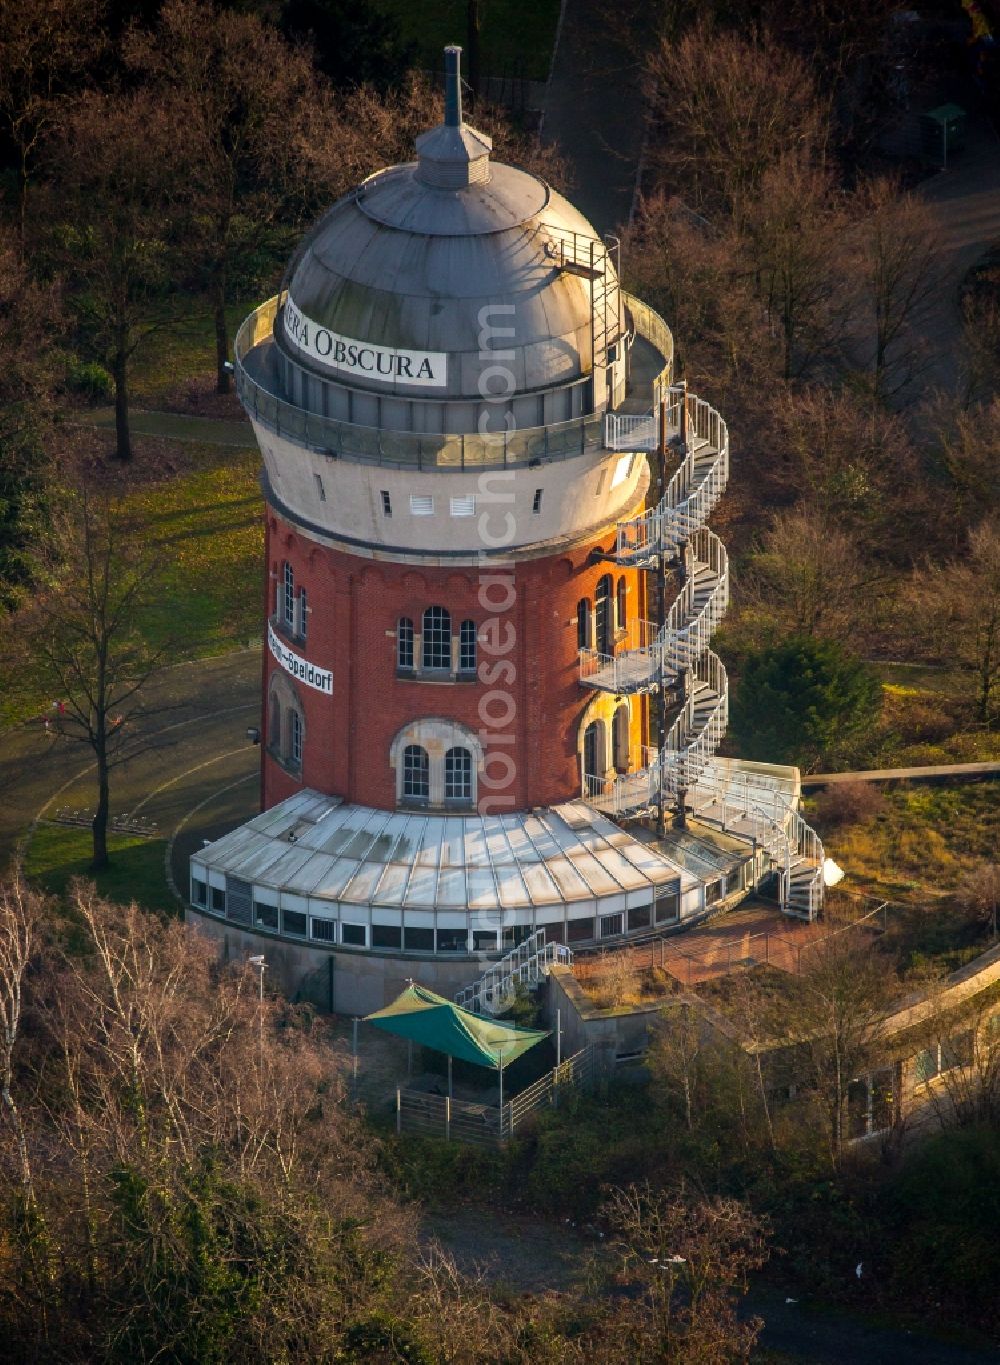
x,y
580,254
678,656
526,965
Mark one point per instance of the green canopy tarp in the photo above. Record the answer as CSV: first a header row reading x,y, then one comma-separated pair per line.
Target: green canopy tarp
x,y
437,1023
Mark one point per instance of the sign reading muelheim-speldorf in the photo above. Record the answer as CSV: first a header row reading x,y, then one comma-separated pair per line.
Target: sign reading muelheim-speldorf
x,y
385,364
320,678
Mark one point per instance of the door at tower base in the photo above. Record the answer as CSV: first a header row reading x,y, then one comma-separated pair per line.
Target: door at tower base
x,y
294,664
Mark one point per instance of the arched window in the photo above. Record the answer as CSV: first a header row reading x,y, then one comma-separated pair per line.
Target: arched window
x,y
621,603
603,609
404,643
583,623
437,639
593,759
295,737
274,725
458,775
416,773
288,597
467,647
620,738
303,609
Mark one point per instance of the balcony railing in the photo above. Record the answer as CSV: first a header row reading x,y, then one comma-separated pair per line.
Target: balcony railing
x,y
416,450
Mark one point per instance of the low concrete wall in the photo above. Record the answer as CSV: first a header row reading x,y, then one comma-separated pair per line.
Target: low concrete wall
x,y
615,1034
341,982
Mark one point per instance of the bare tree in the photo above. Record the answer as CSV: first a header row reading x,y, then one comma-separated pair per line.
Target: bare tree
x,y
794,229
81,639
897,270
114,166
847,997
808,578
957,609
45,47
979,892
687,1258
725,110
20,910
245,186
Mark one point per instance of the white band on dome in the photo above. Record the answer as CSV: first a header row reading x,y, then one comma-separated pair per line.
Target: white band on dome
x,y
383,364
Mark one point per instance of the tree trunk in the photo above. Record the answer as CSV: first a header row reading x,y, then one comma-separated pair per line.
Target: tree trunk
x,y
222,381
100,825
123,435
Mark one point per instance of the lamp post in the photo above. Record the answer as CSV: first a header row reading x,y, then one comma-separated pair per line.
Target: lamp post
x,y
261,966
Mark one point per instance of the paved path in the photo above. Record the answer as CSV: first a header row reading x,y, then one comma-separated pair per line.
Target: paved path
x,y
593,108
177,426
965,200
202,711
941,772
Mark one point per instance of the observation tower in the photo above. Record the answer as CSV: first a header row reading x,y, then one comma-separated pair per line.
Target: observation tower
x,y
490,710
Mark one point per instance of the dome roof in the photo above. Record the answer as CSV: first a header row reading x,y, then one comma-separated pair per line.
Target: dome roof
x,y
421,258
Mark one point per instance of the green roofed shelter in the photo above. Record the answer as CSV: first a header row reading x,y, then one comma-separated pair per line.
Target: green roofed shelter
x,y
423,1017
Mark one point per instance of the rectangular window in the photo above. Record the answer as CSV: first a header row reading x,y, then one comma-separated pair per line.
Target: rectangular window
x,y
319,488
668,903
452,940
554,933
467,636
536,502
353,935
579,930
484,940
218,900
386,503
713,892
612,925
639,917
464,506
266,916
419,940
199,892
303,613
293,922
295,733
404,644
386,936
421,505
325,930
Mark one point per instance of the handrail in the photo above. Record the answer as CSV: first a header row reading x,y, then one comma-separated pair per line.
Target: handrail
x,y
404,449
676,530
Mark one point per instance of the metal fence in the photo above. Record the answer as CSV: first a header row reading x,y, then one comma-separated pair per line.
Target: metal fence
x,y
489,1125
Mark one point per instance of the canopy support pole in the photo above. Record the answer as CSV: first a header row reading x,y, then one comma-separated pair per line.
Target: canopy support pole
x,y
450,1096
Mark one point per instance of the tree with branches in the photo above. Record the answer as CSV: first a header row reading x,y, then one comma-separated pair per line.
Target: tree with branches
x,y
80,639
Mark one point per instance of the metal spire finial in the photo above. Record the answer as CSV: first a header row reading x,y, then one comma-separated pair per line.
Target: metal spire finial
x,y
453,87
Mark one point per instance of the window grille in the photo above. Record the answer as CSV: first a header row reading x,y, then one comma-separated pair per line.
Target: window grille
x,y
416,773
467,647
295,736
458,775
320,489
421,505
288,611
303,609
386,503
437,638
536,503
464,506
325,930
404,642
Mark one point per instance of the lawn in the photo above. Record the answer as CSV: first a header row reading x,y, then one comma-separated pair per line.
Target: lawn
x,y
184,352
516,37
209,521
57,853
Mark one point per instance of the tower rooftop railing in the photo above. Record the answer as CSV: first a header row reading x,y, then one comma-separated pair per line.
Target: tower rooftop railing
x,y
257,384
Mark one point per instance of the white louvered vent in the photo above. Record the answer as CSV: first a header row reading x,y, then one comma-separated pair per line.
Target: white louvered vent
x,y
421,505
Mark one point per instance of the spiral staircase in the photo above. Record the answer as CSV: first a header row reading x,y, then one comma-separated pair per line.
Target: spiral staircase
x,y
675,659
